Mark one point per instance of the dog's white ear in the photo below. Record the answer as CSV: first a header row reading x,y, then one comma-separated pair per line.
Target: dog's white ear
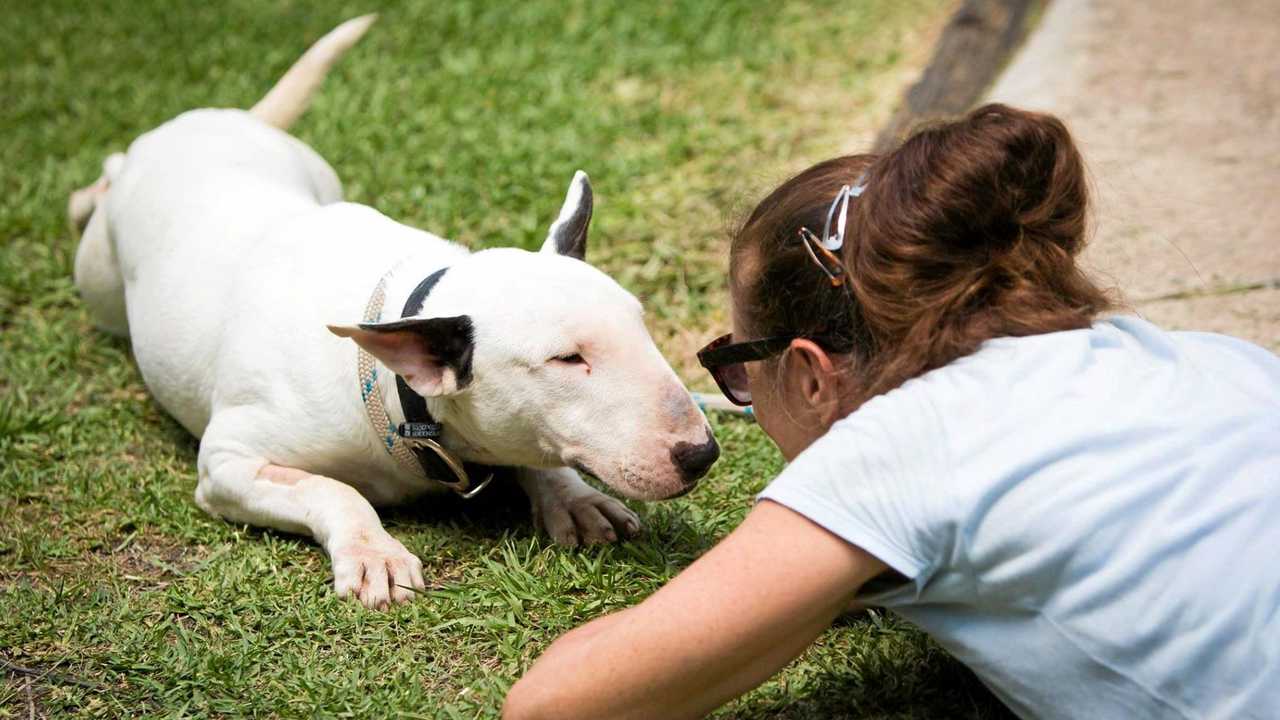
x,y
568,234
433,355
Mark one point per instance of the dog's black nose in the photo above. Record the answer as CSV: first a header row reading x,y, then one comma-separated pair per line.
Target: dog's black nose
x,y
695,460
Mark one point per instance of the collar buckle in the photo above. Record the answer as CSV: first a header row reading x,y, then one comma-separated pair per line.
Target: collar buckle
x,y
461,482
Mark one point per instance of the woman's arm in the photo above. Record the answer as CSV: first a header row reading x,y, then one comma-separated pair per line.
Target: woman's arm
x,y
724,625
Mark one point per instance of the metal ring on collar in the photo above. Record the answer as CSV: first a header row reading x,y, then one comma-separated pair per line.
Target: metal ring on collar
x,y
462,485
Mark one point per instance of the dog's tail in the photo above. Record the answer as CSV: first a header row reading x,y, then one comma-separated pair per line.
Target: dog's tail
x,y
286,102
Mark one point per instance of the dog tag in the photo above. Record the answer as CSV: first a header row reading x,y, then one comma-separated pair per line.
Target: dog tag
x,y
419,430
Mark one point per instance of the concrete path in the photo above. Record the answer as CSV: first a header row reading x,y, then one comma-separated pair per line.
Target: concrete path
x,y
1176,107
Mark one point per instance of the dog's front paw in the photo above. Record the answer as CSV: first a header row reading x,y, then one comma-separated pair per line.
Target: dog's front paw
x,y
376,568
585,516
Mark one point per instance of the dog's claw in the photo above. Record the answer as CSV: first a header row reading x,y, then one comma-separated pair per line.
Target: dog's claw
x,y
377,570
574,513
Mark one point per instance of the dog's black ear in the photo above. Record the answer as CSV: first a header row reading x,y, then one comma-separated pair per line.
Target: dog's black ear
x,y
568,234
433,355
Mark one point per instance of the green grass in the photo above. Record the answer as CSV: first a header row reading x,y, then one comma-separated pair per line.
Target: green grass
x,y
120,598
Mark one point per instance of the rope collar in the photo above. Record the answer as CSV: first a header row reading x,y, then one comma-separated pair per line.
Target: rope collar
x,y
414,443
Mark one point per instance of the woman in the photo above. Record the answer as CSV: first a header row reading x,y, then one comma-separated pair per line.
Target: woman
x,y
1084,509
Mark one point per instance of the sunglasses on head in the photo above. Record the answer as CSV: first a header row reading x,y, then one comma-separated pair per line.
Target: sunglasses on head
x,y
726,360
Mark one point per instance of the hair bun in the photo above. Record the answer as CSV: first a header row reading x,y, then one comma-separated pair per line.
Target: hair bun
x,y
991,181
1027,170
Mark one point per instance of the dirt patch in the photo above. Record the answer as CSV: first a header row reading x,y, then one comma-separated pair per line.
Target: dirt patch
x,y
29,688
156,558
144,559
1177,111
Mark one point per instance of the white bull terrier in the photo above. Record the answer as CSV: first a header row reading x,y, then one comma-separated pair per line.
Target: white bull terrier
x,y
221,247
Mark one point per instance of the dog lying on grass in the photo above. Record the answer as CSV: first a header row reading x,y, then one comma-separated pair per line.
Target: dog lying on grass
x,y
220,245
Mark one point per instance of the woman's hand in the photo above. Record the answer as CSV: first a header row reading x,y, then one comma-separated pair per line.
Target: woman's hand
x,y
724,625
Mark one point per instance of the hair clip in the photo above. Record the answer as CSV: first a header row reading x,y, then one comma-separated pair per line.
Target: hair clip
x,y
840,210
828,245
841,202
860,186
832,268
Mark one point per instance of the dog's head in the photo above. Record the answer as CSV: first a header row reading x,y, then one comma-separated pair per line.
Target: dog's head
x,y
541,360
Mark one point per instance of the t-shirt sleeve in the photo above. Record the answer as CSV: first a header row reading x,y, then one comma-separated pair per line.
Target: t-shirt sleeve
x,y
877,479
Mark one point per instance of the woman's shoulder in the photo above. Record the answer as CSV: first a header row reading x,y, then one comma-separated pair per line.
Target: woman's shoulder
x,y
1115,357
1046,393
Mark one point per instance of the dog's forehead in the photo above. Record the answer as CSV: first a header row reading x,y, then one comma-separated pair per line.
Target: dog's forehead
x,y
538,278
542,294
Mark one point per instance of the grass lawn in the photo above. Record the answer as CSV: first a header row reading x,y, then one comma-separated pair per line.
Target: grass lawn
x,y
118,597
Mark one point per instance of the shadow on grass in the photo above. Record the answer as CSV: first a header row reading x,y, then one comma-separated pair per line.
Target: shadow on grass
x,y
489,516
941,688
886,669
502,512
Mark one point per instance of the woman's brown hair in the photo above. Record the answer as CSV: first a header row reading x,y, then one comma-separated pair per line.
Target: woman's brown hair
x,y
968,231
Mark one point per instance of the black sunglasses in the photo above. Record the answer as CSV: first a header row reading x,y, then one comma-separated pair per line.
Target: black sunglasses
x,y
725,360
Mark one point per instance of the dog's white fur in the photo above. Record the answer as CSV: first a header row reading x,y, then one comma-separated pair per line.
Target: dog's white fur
x,y
221,246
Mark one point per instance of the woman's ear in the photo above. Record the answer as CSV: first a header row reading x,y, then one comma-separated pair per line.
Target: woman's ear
x,y
811,380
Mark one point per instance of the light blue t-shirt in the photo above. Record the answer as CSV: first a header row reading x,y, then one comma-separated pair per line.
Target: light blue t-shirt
x,y
1088,519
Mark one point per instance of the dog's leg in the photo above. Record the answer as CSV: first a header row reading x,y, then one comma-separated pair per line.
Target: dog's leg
x,y
240,485
572,511
97,272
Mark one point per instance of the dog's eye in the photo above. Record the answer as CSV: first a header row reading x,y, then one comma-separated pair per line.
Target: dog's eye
x,y
571,358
